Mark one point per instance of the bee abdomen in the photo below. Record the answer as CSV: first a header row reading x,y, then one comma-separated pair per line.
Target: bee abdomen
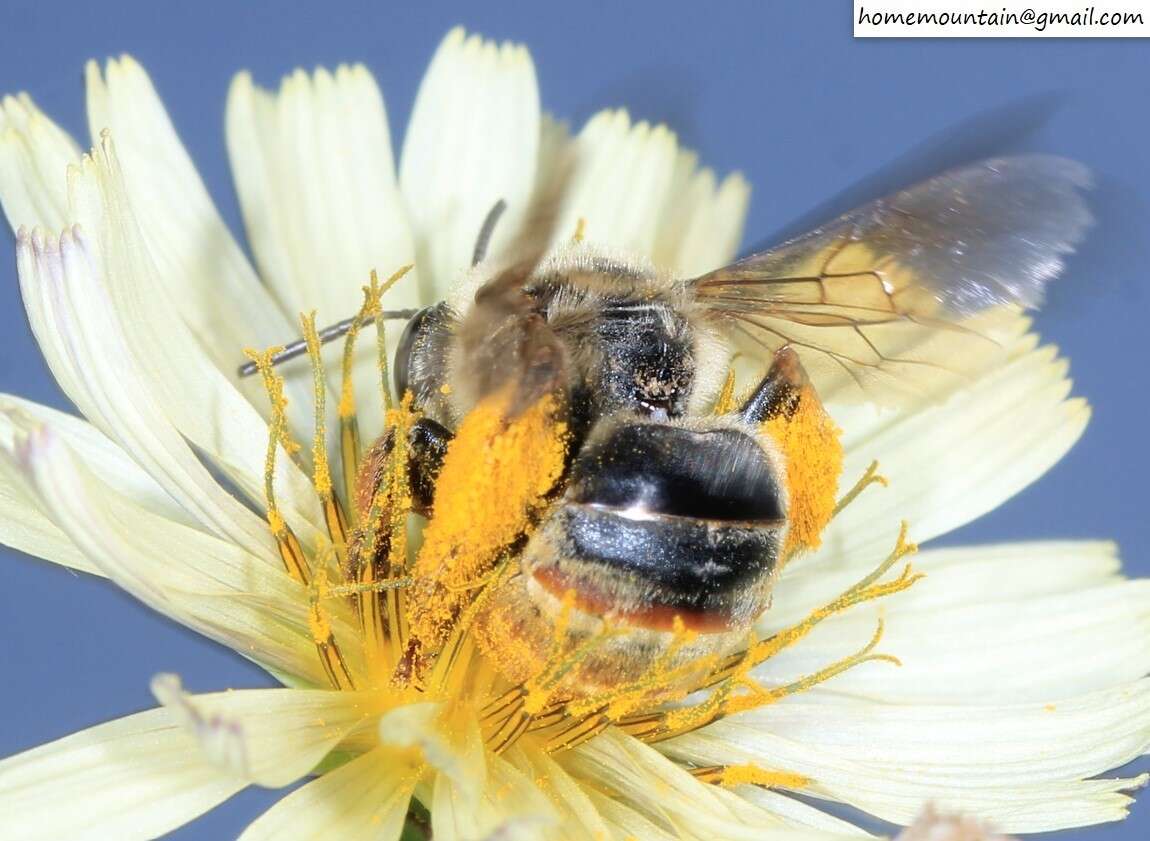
x,y
660,522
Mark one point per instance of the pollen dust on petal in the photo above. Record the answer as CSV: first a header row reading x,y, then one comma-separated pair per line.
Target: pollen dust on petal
x,y
731,776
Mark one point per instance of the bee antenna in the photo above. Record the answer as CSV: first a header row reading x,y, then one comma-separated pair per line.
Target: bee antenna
x,y
340,328
485,232
327,334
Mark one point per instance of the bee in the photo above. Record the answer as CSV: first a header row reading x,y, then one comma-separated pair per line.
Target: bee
x,y
670,516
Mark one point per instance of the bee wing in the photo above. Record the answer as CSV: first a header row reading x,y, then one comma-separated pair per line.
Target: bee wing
x,y
911,293
504,343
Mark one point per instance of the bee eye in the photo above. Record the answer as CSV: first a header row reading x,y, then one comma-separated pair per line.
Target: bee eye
x,y
404,349
654,469
419,354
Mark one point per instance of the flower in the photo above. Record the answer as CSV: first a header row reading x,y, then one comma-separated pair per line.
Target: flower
x,y
1022,665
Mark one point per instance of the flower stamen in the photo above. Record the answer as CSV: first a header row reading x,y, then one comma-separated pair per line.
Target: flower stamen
x,y
397,507
580,731
349,441
734,671
449,655
332,659
530,706
660,677
723,702
291,552
349,425
870,476
343,591
333,514
379,552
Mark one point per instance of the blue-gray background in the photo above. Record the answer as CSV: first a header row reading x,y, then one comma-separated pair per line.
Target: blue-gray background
x,y
779,90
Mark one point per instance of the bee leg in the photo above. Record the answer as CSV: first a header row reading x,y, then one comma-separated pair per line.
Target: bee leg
x,y
427,446
778,392
427,442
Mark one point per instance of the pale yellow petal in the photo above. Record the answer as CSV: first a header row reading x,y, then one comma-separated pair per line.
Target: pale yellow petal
x,y
620,179
317,185
65,273
199,400
134,778
626,823
951,463
364,800
1047,635
24,522
702,222
271,737
667,795
206,583
1024,768
473,139
579,817
34,156
202,269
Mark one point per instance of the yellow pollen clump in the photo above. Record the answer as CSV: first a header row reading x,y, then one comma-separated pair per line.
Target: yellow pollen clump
x,y
730,776
810,442
495,476
275,521
318,623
